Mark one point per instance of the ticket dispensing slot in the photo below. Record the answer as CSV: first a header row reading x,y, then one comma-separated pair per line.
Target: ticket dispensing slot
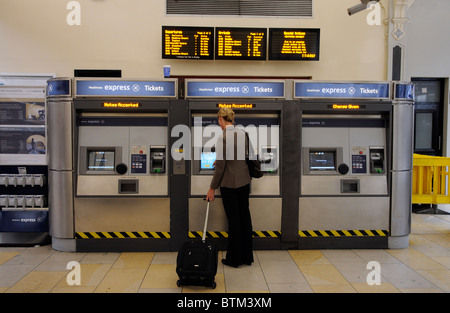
x,y
376,160
128,186
349,185
157,159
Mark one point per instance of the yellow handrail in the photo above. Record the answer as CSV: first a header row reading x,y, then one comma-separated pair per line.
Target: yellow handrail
x,y
430,179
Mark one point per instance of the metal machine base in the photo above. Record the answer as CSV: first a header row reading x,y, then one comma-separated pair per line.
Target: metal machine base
x,y
399,242
63,244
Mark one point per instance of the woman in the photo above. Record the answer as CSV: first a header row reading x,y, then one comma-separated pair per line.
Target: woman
x,y
232,176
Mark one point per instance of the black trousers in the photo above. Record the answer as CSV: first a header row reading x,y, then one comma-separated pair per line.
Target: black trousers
x,y
236,204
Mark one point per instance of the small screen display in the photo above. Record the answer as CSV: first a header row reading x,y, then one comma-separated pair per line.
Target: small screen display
x,y
322,161
207,160
101,160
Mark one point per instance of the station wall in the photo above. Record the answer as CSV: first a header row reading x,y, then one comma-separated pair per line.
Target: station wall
x,y
126,35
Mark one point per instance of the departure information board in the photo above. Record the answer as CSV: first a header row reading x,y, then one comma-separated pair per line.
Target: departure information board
x,y
299,44
180,42
233,43
241,43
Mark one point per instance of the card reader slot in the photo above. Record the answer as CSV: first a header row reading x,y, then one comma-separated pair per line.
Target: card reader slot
x,y
376,155
157,159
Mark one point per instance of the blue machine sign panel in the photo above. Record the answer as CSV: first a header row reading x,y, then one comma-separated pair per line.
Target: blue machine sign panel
x,y
342,90
126,88
58,88
24,221
404,91
235,89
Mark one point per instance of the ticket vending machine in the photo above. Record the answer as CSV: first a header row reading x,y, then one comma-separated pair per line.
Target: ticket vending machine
x,y
258,108
353,138
109,170
129,164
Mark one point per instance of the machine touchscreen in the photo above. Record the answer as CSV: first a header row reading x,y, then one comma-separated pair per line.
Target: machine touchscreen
x,y
207,160
322,161
101,160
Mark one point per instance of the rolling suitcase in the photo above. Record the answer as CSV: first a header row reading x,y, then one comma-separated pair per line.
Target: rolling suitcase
x,y
197,261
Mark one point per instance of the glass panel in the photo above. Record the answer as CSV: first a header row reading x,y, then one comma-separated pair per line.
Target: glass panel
x,y
428,91
424,131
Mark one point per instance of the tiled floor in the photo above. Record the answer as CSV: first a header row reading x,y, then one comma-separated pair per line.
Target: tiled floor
x,y
423,267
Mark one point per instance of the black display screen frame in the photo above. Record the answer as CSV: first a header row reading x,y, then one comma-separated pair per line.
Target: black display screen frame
x,y
190,32
238,33
276,40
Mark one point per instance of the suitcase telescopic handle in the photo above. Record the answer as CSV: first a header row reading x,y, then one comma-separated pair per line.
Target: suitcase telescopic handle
x,y
206,222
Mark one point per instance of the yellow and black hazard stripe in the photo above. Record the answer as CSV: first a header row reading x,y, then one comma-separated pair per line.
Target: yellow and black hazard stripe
x,y
224,234
266,234
122,235
209,234
343,233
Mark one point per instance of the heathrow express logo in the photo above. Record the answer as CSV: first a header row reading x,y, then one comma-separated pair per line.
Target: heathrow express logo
x,y
135,88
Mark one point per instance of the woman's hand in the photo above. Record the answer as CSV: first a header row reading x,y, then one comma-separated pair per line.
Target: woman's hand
x,y
210,195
